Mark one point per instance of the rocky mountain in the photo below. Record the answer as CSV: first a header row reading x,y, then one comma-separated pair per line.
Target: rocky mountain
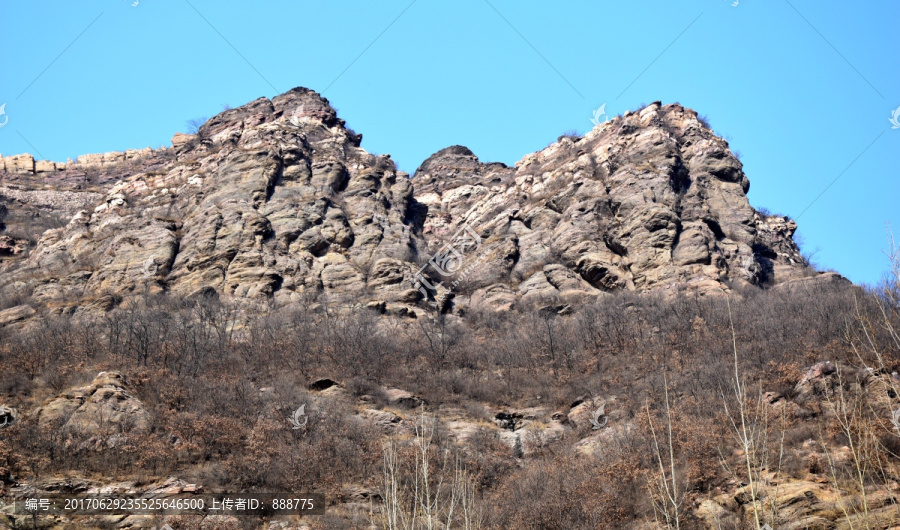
x,y
277,200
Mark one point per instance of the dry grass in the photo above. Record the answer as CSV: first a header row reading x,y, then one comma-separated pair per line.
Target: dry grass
x,y
199,365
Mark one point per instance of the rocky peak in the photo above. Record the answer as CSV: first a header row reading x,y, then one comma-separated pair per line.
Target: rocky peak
x,y
271,199
275,199
652,199
300,103
451,167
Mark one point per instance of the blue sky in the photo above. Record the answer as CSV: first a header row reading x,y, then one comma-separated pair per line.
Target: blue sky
x,y
803,89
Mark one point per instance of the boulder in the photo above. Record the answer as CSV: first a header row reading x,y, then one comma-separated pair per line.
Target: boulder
x,y
510,421
10,247
105,407
402,398
180,140
19,163
588,413
8,416
822,280
45,166
16,314
817,379
715,516
384,419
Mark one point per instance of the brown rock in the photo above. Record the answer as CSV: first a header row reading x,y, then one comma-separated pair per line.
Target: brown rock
x,y
105,407
16,314
402,398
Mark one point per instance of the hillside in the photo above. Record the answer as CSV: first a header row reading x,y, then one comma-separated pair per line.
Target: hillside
x,y
606,335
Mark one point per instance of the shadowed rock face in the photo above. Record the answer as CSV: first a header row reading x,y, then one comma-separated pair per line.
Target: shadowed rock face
x,y
277,200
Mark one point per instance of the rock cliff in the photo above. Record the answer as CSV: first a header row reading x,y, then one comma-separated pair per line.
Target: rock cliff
x,y
276,200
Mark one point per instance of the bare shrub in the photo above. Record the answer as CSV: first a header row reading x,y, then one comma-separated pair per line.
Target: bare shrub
x,y
194,124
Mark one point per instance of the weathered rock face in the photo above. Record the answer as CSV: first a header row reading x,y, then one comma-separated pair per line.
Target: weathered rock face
x,y
36,196
272,199
105,407
646,201
277,200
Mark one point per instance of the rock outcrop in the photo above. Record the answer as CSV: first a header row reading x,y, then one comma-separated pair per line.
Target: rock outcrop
x,y
8,416
25,164
272,199
649,200
103,408
36,196
276,200
16,314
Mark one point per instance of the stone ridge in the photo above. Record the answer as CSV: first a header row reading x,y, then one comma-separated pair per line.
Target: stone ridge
x,y
36,195
26,163
275,200
649,200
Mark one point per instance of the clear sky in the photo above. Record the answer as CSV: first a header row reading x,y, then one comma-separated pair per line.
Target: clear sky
x,y
803,89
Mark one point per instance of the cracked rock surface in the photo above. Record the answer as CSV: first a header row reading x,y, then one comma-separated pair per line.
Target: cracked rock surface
x,y
276,200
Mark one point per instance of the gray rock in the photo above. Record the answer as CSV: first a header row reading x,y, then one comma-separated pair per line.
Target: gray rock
x,y
276,200
652,200
16,314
